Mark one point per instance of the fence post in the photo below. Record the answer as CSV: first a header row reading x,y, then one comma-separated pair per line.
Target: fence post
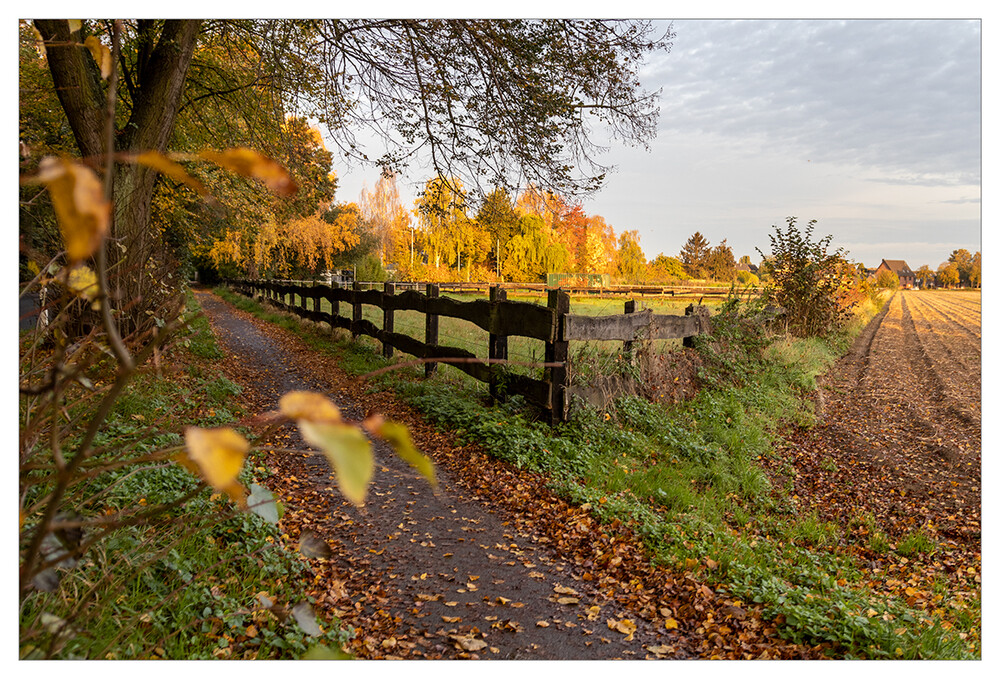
x,y
334,304
558,352
387,313
431,328
498,345
356,311
699,311
629,345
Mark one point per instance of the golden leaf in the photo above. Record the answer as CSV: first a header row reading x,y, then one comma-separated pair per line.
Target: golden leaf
x,y
309,406
219,454
625,626
175,171
251,164
670,623
397,436
101,54
470,644
79,203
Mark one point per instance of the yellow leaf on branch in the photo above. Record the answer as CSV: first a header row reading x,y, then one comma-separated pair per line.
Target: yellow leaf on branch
x,y
169,168
398,437
78,200
218,454
249,163
309,406
83,281
101,54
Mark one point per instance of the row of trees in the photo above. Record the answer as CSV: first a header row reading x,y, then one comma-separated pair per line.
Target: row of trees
x,y
962,269
442,237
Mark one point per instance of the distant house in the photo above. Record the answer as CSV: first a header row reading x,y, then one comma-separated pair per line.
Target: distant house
x,y
907,279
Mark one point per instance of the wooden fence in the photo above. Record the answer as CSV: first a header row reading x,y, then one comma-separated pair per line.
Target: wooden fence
x,y
675,291
552,324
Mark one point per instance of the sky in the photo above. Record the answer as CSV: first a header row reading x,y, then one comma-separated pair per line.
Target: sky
x,y
870,127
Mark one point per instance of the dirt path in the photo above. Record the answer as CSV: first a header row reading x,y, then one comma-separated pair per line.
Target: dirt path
x,y
472,570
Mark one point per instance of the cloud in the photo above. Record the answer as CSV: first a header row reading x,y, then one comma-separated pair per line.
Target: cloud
x,y
903,97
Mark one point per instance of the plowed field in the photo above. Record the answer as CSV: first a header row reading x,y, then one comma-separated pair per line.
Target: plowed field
x,y
899,433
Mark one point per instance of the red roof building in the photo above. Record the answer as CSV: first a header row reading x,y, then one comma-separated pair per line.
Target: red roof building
x,y
907,279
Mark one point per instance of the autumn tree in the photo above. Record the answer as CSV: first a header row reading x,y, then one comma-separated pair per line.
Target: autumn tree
x,y
963,260
498,218
887,280
385,214
631,260
720,263
976,271
924,276
664,269
533,252
693,255
85,79
547,205
448,231
948,275
600,247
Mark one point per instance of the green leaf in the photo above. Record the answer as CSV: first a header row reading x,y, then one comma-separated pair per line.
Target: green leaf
x,y
321,652
349,453
262,503
398,436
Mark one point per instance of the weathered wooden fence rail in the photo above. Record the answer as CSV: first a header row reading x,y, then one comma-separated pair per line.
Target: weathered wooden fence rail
x,y
501,318
673,291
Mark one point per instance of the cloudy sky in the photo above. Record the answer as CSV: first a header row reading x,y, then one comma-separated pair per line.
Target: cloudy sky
x,y
871,127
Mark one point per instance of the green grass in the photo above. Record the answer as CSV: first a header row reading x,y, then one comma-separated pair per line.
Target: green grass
x,y
183,585
687,479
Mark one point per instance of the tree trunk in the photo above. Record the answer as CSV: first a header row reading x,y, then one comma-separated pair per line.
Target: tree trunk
x,y
161,67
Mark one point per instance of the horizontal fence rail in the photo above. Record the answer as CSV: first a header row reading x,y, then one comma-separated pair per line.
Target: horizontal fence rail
x,y
674,291
501,318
